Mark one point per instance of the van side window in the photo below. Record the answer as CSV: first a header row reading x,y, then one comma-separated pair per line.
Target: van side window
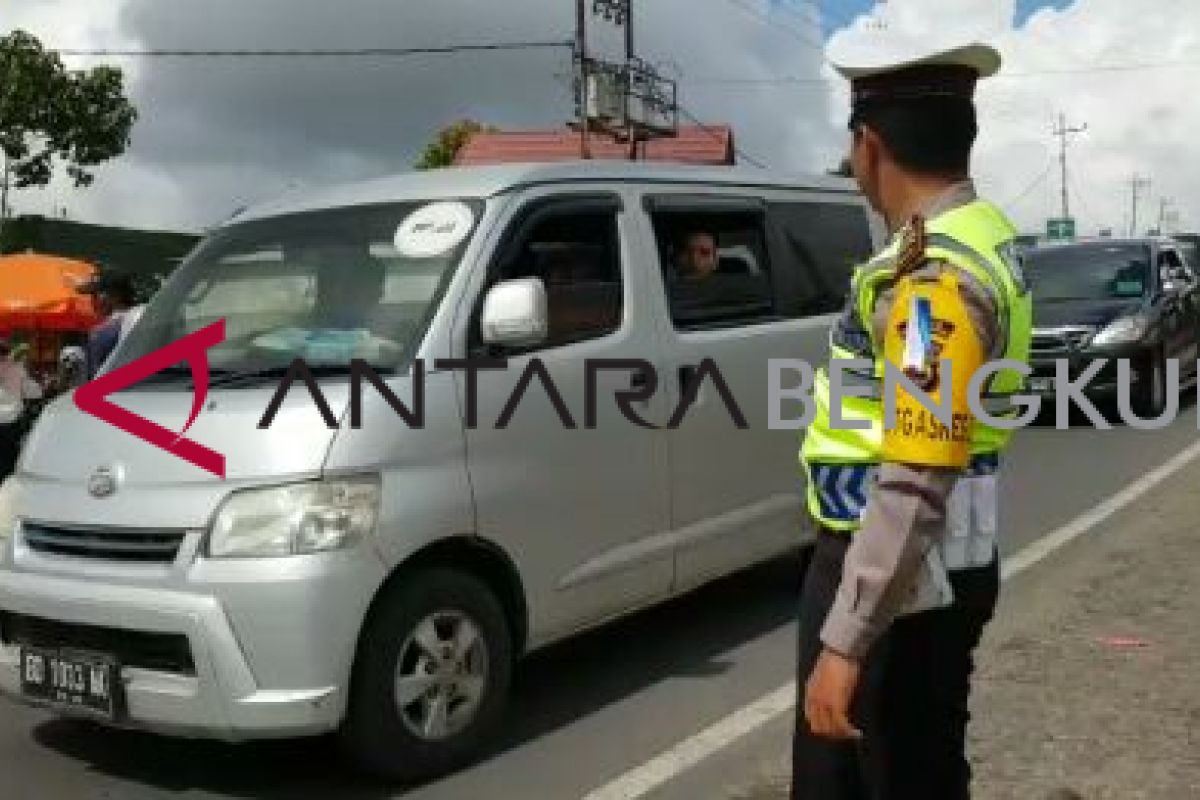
x,y
820,244
577,256
715,267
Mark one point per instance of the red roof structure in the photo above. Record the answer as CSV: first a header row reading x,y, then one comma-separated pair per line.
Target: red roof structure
x,y
709,145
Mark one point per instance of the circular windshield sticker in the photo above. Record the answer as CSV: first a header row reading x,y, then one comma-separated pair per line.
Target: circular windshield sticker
x,y
434,230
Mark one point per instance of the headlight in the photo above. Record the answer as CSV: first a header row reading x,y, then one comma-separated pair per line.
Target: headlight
x,y
296,519
1126,330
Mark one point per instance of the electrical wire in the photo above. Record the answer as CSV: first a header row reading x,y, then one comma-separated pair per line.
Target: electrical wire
x,y
1041,73
800,36
1028,189
737,150
364,52
1078,196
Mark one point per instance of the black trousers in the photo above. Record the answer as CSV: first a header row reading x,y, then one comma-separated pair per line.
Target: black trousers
x,y
911,703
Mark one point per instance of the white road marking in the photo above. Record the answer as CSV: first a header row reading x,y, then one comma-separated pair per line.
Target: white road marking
x,y
641,780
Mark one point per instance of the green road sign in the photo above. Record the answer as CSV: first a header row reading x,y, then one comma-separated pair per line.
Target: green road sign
x,y
1058,229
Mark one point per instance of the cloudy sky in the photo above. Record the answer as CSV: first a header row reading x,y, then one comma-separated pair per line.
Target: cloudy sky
x,y
216,134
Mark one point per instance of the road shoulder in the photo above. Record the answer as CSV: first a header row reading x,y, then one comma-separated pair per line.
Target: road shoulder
x,y
1086,678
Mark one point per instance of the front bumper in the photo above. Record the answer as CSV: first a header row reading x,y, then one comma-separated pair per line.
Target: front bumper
x,y
220,700
1043,371
269,647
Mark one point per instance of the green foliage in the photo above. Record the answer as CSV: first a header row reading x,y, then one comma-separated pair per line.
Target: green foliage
x,y
444,148
21,234
48,113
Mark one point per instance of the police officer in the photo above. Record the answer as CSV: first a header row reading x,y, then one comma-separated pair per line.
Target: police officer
x,y
905,573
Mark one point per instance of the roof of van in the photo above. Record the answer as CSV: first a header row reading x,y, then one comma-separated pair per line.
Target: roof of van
x,y
488,181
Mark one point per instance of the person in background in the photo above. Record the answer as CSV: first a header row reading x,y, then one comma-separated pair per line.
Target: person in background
x,y
115,299
16,388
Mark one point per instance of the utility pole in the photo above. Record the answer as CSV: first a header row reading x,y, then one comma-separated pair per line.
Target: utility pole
x,y
581,57
1163,204
1137,183
630,55
1063,132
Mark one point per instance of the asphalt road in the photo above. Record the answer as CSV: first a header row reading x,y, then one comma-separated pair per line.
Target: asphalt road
x,y
586,711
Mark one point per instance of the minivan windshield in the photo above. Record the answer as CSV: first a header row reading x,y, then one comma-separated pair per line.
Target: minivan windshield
x,y
326,286
1089,272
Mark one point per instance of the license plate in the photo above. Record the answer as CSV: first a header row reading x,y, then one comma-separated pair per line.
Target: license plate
x,y
1041,385
87,682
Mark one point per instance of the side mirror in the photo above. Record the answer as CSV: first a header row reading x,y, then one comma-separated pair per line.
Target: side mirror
x,y
515,314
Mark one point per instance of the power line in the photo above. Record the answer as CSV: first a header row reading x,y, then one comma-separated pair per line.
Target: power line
x,y
1081,198
1109,68
709,131
1029,189
772,23
363,52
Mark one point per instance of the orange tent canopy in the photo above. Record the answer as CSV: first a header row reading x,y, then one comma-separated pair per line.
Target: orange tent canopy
x,y
40,292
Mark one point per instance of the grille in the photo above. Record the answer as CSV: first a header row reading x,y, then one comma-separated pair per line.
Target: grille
x,y
163,652
158,546
1062,340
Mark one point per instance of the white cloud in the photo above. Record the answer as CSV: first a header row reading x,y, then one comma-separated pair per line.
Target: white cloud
x,y
1138,120
216,135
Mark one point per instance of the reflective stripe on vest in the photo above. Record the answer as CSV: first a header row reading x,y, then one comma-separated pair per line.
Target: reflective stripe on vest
x,y
842,489
975,238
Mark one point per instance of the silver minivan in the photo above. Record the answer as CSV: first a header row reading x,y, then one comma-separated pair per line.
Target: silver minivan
x,y
446,419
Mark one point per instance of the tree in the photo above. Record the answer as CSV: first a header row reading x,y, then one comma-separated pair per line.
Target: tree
x,y
49,114
443,150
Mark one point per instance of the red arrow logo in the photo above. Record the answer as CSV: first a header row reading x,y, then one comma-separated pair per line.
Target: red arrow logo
x,y
92,398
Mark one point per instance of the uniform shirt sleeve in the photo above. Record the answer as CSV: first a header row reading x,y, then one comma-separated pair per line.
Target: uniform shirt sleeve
x,y
906,514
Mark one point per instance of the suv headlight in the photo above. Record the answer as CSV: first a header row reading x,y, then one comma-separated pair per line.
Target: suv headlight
x,y
296,519
1126,330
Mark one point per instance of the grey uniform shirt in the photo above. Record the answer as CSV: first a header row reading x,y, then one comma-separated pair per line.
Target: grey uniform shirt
x,y
906,511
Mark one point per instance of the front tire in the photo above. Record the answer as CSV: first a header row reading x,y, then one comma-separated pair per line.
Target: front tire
x,y
431,677
1150,399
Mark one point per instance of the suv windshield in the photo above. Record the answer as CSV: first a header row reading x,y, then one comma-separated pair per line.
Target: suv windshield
x,y
327,286
1089,272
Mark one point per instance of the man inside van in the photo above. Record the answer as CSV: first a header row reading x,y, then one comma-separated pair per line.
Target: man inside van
x,y
347,319
696,256
349,285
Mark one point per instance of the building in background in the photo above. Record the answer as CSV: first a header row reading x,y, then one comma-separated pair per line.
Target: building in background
x,y
711,145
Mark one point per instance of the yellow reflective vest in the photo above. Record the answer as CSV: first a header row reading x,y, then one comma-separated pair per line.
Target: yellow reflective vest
x,y
839,464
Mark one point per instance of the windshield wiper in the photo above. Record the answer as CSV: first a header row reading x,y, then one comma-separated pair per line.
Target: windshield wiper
x,y
225,378
168,374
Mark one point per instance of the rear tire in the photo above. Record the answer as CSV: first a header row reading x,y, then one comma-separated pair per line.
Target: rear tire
x,y
431,677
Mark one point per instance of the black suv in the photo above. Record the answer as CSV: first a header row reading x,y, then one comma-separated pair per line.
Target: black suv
x,y
1114,299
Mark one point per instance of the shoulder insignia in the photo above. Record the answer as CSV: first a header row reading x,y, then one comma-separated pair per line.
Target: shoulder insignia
x,y
912,247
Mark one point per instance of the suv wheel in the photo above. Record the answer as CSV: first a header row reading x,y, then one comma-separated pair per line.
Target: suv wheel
x,y
1151,398
431,676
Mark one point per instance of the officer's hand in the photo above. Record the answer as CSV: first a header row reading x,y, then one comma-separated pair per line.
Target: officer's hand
x,y
828,694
